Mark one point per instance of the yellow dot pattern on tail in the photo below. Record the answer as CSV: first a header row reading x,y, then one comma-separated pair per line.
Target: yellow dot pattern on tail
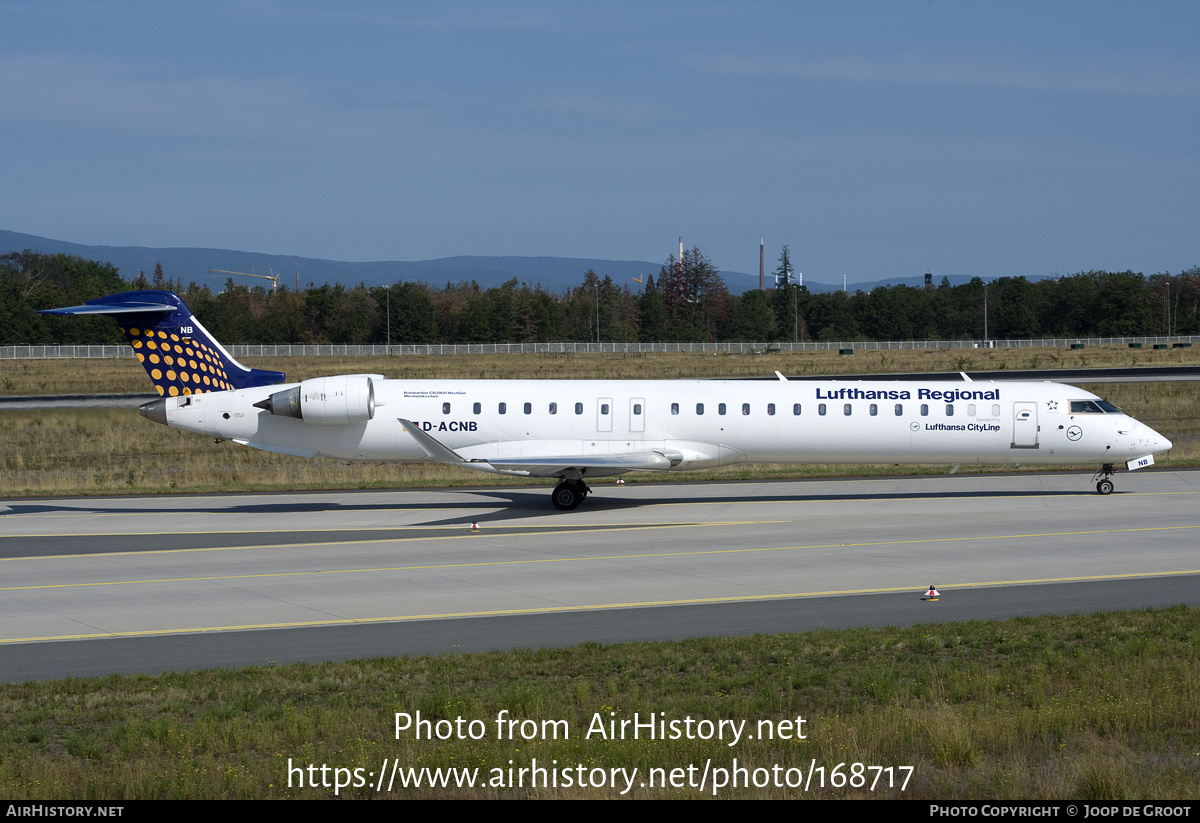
x,y
178,365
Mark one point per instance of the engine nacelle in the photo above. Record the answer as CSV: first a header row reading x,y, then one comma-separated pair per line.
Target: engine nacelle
x,y
326,401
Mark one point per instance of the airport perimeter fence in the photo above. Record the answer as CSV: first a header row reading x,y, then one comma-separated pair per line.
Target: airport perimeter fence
x,y
302,350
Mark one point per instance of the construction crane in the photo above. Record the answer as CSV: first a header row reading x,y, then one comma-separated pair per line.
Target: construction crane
x,y
273,277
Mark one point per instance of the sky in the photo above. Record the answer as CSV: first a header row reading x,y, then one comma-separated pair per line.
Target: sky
x,y
875,139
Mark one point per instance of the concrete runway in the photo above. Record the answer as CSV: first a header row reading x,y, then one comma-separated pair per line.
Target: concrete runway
x,y
147,584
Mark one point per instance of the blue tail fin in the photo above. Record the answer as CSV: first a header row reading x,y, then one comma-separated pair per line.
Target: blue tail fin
x,y
177,352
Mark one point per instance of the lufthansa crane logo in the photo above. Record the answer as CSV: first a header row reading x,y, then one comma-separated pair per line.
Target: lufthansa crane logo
x,y
1074,433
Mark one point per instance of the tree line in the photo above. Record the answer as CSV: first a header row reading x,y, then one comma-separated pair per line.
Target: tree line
x,y
687,302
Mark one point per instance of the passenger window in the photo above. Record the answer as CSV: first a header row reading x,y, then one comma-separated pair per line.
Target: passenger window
x,y
529,408
504,408
603,408
874,409
720,408
579,408
477,408
745,408
796,409
821,409
846,409
970,410
771,409
995,410
949,409
674,408
554,408
637,408
699,408
445,408
924,409
899,409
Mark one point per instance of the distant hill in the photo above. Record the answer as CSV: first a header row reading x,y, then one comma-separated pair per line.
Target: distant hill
x,y
554,274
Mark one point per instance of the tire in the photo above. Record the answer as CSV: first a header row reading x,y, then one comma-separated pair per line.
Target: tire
x,y
565,497
1105,487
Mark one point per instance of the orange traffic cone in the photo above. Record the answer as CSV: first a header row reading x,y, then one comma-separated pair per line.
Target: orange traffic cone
x,y
474,526
932,594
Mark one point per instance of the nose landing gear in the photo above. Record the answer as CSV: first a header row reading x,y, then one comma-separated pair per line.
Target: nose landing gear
x,y
1104,484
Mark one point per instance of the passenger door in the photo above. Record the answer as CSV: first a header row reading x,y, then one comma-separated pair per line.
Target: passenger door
x,y
1025,425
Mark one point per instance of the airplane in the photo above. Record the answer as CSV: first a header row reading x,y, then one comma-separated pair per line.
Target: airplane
x,y
574,430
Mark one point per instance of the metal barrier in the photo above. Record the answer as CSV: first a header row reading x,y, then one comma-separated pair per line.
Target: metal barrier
x,y
303,350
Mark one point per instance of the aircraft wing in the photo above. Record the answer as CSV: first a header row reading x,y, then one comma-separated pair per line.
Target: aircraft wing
x,y
552,466
608,463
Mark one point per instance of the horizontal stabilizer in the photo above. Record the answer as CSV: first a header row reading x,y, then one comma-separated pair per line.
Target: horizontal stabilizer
x,y
125,308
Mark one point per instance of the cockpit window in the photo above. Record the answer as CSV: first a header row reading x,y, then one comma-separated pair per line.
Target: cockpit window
x,y
1093,407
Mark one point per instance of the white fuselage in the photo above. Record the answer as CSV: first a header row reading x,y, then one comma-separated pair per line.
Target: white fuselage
x,y
698,423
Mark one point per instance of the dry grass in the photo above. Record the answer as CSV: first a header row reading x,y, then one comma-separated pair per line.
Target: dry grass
x,y
22,377
107,451
90,451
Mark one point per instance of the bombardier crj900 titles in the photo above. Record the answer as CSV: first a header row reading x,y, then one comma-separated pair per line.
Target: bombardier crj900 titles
x,y
578,429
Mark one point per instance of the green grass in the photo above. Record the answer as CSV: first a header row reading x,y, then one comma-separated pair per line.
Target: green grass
x,y
1097,707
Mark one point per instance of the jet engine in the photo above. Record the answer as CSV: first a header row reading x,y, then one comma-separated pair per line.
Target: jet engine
x,y
325,401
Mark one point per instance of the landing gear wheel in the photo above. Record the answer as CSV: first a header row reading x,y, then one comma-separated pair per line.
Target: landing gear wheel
x,y
568,494
1105,485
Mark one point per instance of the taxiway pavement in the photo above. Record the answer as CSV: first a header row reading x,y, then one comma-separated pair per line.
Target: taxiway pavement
x,y
148,584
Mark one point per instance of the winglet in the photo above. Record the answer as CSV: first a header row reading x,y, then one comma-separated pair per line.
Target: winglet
x,y
779,374
431,446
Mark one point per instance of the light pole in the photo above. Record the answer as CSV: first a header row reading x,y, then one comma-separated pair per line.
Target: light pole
x,y
985,328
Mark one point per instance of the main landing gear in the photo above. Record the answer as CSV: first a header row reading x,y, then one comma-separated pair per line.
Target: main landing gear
x,y
568,494
1104,485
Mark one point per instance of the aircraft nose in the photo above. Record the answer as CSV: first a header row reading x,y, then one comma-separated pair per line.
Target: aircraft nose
x,y
1158,443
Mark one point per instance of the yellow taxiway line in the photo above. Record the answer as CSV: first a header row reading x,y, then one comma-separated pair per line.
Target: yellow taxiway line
x,y
350,621
579,559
